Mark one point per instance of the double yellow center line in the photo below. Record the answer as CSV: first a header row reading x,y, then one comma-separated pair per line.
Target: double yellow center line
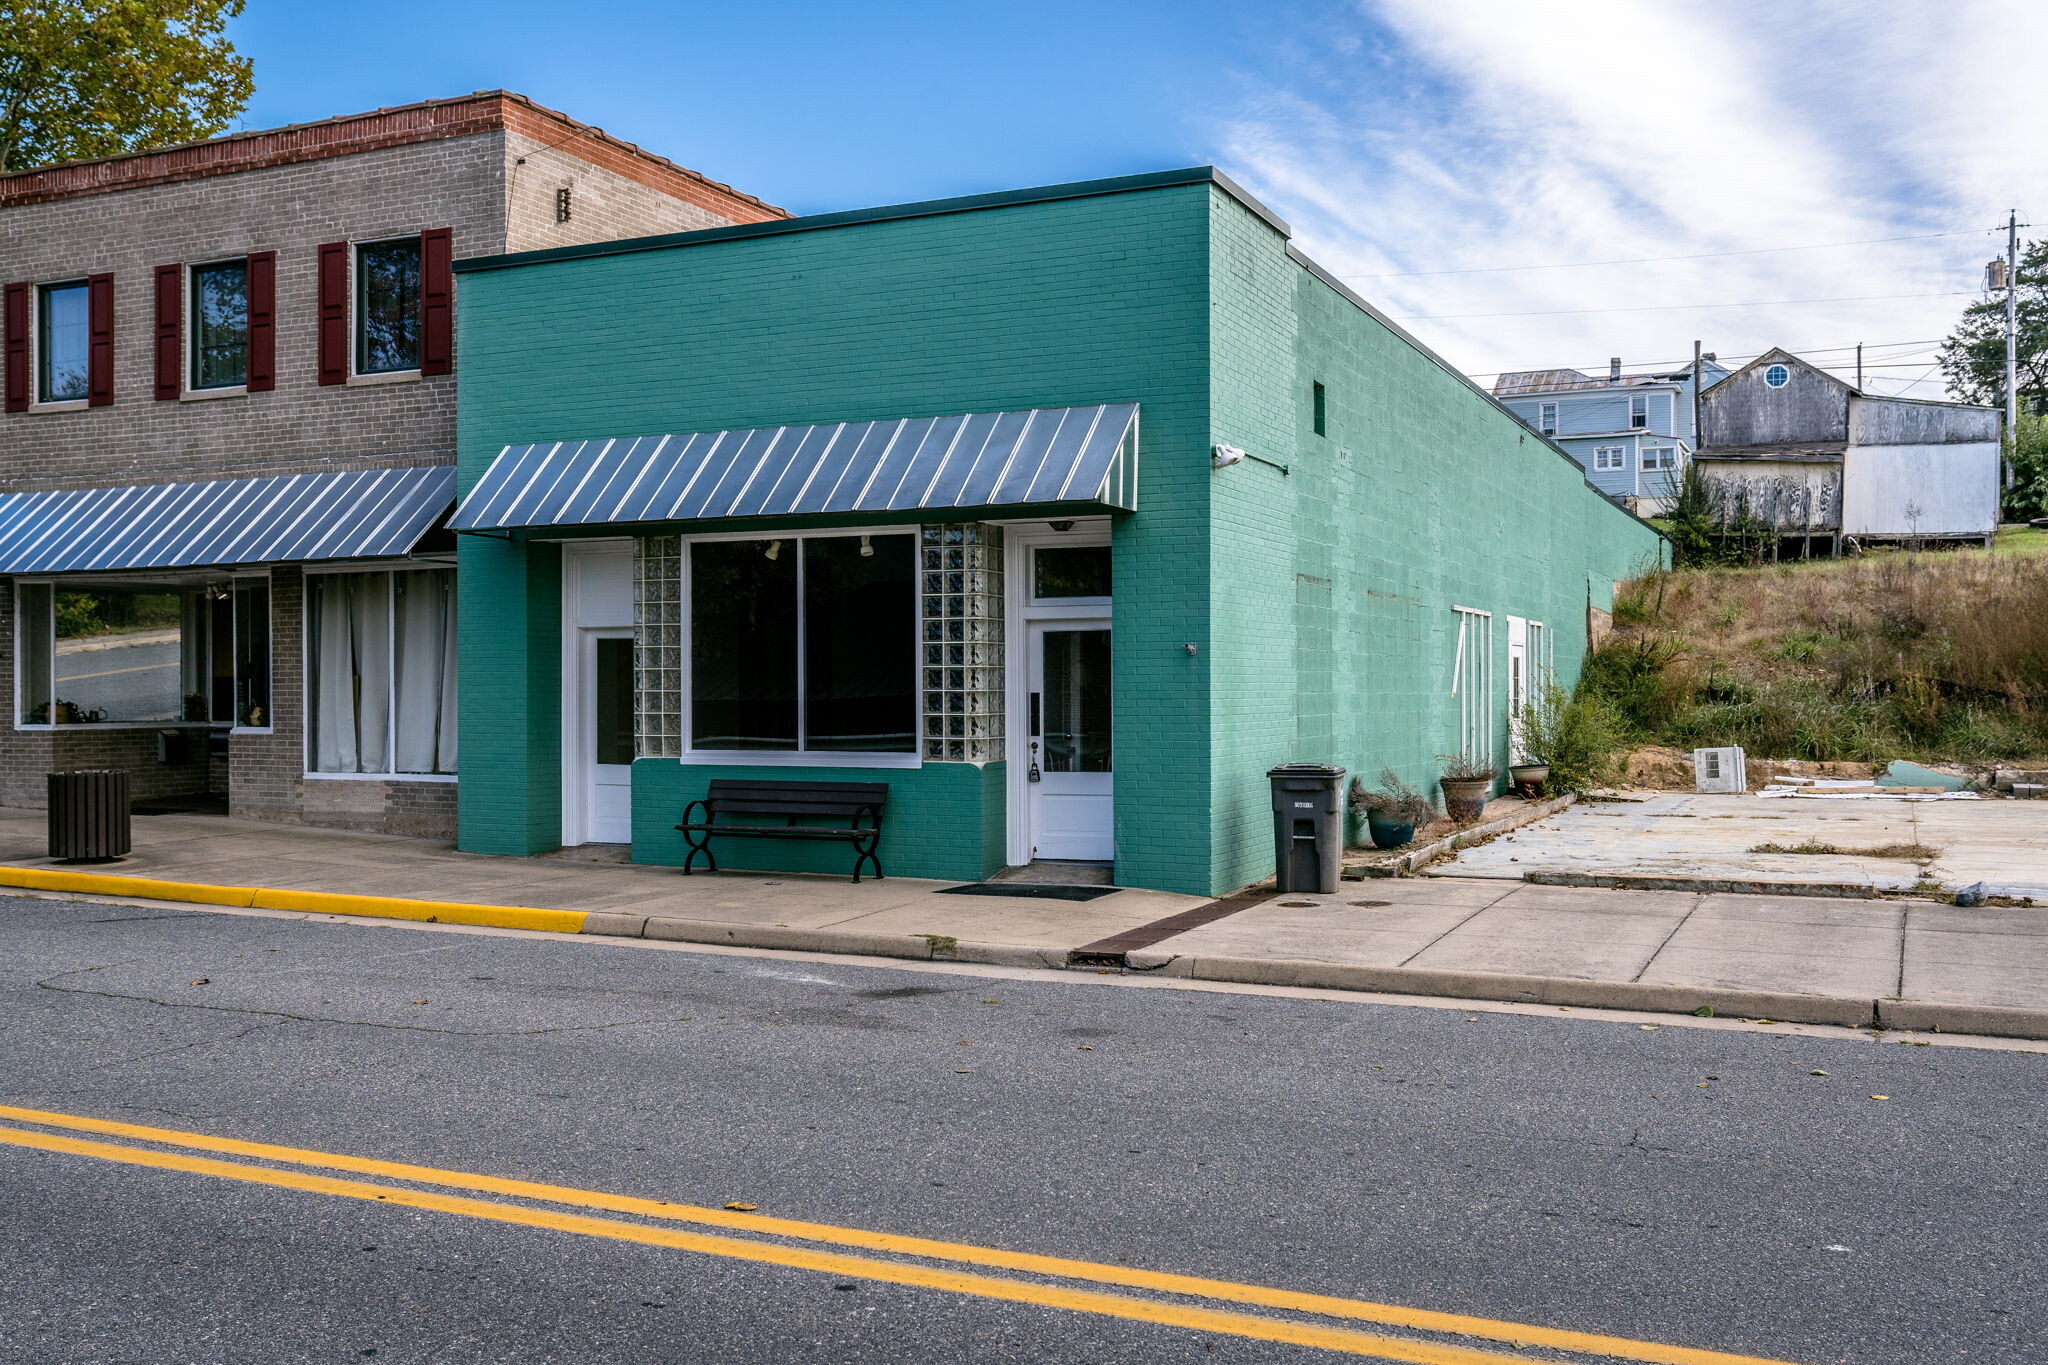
x,y
1167,1312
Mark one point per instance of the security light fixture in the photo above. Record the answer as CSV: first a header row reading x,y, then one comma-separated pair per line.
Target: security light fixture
x,y
774,550
1061,525
867,549
1222,457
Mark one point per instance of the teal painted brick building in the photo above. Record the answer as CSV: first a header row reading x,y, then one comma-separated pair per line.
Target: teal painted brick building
x,y
1144,641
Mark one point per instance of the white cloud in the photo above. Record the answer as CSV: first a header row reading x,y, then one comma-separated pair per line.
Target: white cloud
x,y
1442,135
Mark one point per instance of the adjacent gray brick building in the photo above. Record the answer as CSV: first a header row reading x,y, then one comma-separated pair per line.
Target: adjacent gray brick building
x,y
134,286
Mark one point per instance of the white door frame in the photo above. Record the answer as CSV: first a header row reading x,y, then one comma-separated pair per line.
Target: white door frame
x,y
578,669
1019,611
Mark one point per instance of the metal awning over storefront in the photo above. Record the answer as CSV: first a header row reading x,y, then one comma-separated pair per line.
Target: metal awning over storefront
x,y
974,463
348,514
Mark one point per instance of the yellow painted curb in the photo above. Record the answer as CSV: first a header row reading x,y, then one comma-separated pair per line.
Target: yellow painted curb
x,y
316,902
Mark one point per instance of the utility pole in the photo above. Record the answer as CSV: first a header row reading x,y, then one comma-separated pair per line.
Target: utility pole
x,y
2012,323
1859,364
1697,440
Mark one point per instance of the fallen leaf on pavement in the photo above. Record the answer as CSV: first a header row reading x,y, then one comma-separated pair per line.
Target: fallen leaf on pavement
x,y
1084,1048
202,981
1820,1073
740,1207
1649,1028
1880,1097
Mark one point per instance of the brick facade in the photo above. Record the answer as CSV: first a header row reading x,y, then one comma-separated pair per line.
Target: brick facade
x,y
486,167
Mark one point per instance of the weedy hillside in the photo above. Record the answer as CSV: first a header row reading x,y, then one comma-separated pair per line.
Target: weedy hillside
x,y
1927,656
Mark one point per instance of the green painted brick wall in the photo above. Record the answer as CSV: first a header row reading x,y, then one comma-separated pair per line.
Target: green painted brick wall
x,y
937,823
1332,586
509,636
1072,301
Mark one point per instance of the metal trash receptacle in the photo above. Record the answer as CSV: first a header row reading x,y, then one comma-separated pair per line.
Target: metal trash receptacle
x,y
89,819
1308,827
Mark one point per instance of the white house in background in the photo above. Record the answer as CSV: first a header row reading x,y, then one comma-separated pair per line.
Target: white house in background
x,y
1820,460
1632,432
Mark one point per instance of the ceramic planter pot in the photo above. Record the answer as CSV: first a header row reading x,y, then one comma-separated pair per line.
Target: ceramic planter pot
x,y
1529,778
1464,799
1385,832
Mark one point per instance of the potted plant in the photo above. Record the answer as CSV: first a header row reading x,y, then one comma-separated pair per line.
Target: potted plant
x,y
1466,783
1537,734
1392,811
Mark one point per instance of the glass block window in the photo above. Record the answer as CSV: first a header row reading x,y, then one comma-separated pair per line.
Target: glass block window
x,y
961,573
658,647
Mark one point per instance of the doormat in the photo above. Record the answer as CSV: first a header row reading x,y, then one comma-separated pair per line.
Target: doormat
x,y
1029,891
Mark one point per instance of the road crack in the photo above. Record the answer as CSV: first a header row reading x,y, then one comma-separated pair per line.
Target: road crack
x,y
50,984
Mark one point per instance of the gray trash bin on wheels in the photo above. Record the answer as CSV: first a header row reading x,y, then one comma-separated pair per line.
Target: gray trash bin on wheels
x,y
1308,826
89,815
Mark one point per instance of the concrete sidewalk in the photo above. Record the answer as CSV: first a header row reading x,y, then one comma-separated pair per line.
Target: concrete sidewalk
x,y
1899,963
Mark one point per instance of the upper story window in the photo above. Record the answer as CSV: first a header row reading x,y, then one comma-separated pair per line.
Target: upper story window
x,y
1610,457
388,306
63,342
220,325
1546,418
1660,457
1639,410
1319,400
1777,376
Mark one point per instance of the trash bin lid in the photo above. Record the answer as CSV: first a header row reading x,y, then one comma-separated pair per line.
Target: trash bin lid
x,y
1305,770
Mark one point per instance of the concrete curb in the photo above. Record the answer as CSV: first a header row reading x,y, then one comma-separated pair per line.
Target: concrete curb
x,y
1742,886
1929,1016
1539,990
315,902
1418,858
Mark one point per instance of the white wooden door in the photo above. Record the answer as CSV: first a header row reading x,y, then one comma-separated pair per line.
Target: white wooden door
x,y
1518,684
607,722
1069,741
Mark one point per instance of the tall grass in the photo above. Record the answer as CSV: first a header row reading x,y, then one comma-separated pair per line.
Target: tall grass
x,y
1935,656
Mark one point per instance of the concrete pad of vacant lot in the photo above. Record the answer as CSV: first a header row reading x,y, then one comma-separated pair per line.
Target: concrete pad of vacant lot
x,y
2004,843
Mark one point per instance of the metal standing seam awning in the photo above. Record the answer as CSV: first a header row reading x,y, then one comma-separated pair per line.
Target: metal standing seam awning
x,y
347,514
1083,457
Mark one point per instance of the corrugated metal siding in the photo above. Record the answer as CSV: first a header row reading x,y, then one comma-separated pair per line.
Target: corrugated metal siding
x,y
1949,489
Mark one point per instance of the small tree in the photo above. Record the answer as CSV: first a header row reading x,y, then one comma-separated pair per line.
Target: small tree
x,y
87,78
2027,452
1695,521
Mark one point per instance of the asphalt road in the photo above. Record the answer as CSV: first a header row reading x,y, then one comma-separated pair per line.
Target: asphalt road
x,y
1698,1188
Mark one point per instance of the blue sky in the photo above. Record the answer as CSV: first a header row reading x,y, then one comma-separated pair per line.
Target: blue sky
x,y
1398,136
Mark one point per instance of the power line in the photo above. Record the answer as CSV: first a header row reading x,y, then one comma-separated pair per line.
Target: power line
x,y
1652,260
1683,307
1729,359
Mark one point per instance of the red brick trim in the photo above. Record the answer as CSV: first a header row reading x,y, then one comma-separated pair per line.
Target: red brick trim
x,y
402,125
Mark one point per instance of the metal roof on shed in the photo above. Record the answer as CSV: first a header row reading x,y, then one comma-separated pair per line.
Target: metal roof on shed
x,y
969,462
346,514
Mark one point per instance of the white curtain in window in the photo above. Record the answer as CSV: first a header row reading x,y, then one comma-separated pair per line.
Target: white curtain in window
x,y
352,659
425,610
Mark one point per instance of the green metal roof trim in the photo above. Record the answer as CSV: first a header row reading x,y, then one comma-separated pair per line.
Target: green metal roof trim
x,y
930,208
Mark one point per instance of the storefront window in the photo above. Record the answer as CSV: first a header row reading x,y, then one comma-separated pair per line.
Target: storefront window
x,y
804,644
381,675
134,652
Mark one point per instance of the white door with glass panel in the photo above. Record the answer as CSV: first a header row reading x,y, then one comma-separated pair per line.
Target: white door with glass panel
x,y
1518,686
607,696
597,693
1068,739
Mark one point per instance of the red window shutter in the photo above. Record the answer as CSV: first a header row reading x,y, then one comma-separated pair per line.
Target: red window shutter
x,y
15,330
437,302
262,267
99,354
170,331
333,286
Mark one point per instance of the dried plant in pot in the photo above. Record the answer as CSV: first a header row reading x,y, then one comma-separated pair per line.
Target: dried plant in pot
x,y
1466,783
1393,811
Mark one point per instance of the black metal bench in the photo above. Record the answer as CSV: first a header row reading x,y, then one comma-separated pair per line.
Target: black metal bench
x,y
848,804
